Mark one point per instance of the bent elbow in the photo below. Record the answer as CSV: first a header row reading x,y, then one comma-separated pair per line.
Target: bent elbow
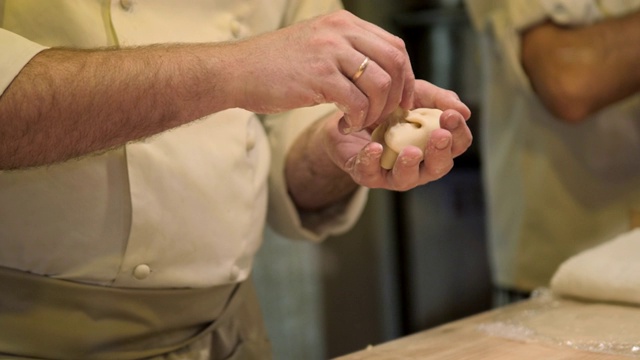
x,y
568,99
570,112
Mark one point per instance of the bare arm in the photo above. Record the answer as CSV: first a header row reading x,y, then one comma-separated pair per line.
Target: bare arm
x,y
580,70
68,103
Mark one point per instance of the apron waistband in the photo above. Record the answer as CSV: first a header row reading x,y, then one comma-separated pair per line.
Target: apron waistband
x,y
50,318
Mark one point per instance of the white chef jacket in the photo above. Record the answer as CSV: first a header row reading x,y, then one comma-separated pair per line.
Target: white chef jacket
x,y
184,208
552,188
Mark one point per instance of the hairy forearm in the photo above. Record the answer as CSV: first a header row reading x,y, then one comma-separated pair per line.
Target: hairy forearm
x,y
68,103
313,180
579,71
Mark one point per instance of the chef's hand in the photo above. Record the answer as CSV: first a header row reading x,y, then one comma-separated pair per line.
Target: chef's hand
x,y
360,158
336,58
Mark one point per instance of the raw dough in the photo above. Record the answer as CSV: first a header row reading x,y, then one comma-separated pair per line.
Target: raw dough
x,y
608,272
403,128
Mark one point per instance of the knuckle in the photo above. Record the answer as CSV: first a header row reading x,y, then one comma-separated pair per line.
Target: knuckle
x,y
322,68
399,43
344,13
469,141
383,83
338,19
444,169
397,59
452,94
360,103
410,76
325,42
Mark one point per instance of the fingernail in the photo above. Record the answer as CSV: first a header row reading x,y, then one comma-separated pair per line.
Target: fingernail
x,y
373,150
455,123
369,154
442,143
410,160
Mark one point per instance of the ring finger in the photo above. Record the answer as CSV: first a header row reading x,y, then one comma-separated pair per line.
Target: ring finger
x,y
374,82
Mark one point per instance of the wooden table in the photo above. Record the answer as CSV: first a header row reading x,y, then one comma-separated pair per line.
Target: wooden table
x,y
463,339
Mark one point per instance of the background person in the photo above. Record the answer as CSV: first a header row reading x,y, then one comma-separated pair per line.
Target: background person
x,y
560,130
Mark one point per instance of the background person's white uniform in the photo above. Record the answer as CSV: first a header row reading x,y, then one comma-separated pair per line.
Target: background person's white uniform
x,y
552,188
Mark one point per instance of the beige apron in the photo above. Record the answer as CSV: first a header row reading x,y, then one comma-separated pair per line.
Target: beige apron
x,y
46,318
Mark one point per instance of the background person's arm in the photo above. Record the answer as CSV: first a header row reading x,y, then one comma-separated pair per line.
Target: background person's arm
x,y
577,71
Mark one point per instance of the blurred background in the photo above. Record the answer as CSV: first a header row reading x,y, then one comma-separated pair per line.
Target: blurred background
x,y
416,259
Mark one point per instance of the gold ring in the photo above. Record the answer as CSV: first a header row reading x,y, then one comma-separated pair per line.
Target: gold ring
x,y
361,69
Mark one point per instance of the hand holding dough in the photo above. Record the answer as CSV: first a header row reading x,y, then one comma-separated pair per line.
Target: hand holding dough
x,y
404,128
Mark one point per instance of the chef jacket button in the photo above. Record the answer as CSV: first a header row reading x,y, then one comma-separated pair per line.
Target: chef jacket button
x,y
251,143
234,274
126,4
251,140
141,271
236,28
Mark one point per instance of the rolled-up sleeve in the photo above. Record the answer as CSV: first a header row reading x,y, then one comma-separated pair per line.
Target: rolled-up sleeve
x,y
15,53
283,216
